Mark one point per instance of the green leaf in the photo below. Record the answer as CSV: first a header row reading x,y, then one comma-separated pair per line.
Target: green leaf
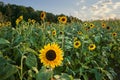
x,y
1,54
65,76
31,60
97,74
4,41
31,50
85,77
97,39
109,75
6,69
44,74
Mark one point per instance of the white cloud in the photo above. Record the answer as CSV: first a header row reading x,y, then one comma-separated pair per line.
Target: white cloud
x,y
78,3
102,9
83,7
116,5
82,1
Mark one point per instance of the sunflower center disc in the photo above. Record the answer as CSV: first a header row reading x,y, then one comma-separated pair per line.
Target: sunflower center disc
x,y
91,46
51,55
77,44
63,19
42,15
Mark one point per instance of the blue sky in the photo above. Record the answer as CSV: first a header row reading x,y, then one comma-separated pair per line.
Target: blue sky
x,y
82,9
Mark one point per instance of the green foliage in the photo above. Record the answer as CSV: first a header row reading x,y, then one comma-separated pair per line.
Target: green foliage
x,y
6,69
19,51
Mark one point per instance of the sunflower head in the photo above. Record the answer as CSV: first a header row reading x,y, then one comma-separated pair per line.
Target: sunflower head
x,y
29,20
0,24
8,23
54,32
61,32
114,34
33,21
51,55
79,32
21,17
59,18
63,19
17,21
91,47
87,28
108,27
92,25
85,24
75,38
103,25
77,44
43,15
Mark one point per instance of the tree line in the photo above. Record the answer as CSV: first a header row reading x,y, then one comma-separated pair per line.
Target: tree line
x,y
10,12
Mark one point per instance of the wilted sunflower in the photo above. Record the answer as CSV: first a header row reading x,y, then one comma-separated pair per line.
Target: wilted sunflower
x,y
61,32
54,32
114,34
91,47
108,27
51,55
63,19
43,15
77,44
103,25
87,28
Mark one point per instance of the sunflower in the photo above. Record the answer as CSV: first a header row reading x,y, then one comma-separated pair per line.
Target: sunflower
x,y
108,27
103,25
8,23
17,21
61,32
29,20
51,55
59,18
63,19
87,28
114,34
77,44
85,24
54,32
75,38
92,25
79,32
42,15
91,47
0,24
33,21
20,18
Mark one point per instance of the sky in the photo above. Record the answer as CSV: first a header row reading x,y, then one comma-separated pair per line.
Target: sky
x,y
82,9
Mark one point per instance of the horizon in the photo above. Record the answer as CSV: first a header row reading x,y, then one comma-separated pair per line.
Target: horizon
x,y
82,9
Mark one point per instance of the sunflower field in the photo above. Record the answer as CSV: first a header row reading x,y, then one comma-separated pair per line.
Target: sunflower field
x,y
87,50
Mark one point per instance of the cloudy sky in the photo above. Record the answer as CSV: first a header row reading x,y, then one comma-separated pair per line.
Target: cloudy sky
x,y
82,9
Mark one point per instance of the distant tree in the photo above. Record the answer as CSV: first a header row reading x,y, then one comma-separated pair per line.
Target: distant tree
x,y
11,12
